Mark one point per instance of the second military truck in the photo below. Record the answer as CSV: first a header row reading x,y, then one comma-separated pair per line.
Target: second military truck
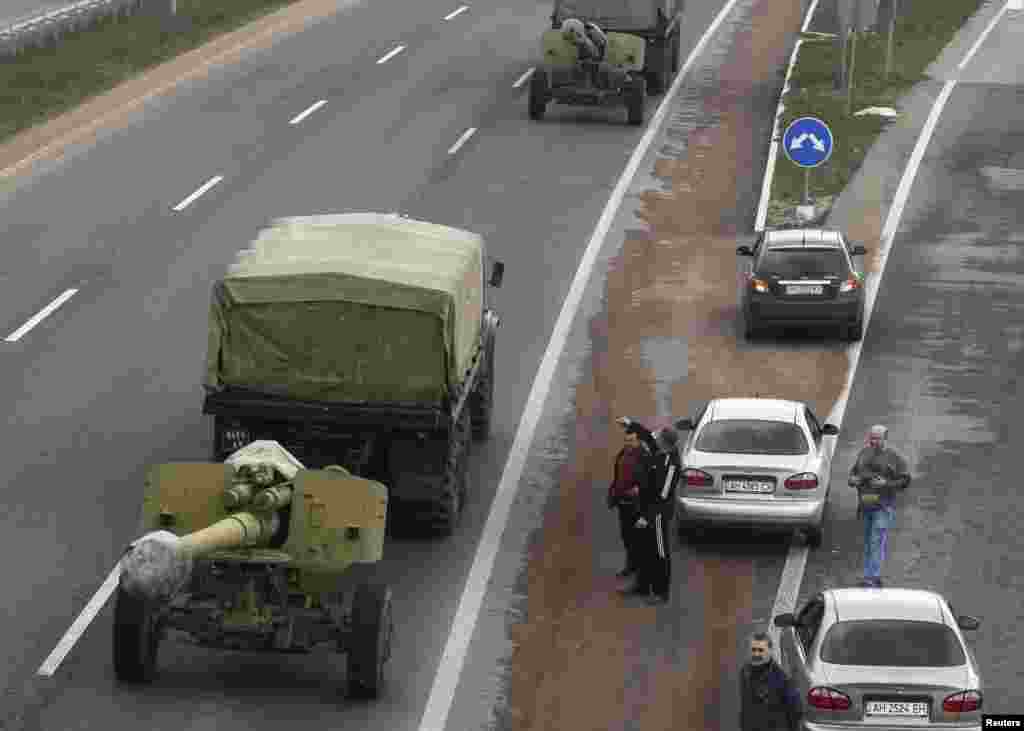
x,y
360,339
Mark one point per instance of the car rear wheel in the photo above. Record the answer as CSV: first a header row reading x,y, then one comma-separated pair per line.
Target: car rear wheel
x,y
813,536
854,332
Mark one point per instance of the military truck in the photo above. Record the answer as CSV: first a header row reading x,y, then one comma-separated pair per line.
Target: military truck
x,y
257,553
361,339
656,21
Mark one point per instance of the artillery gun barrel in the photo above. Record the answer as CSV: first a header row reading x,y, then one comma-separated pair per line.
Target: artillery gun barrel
x,y
159,565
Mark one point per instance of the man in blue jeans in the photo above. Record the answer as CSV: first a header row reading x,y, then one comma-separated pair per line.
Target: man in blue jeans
x,y
877,474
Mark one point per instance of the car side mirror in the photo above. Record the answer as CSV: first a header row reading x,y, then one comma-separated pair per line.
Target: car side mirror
x,y
684,424
785,620
858,250
497,274
830,430
967,622
744,250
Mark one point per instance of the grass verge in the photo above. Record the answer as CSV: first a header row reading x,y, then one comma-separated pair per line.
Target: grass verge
x,y
924,29
42,83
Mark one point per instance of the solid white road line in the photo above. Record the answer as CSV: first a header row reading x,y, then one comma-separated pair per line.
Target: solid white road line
x,y
199,191
522,79
78,627
313,107
462,140
442,694
773,148
458,11
796,560
983,36
390,54
40,316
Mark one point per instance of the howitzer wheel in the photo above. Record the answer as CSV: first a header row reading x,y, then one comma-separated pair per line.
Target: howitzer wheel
x,y
482,399
137,637
370,646
538,94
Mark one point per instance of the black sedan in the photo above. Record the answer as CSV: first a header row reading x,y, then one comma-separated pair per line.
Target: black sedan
x,y
803,278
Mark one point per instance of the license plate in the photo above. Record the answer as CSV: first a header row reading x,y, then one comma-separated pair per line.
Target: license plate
x,y
896,708
748,486
804,289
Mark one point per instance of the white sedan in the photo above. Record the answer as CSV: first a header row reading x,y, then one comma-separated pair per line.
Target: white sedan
x,y
755,461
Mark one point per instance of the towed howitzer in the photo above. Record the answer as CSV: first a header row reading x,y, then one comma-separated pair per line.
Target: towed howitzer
x,y
270,563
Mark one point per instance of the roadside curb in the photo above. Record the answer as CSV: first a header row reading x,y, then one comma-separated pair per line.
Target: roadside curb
x,y
773,150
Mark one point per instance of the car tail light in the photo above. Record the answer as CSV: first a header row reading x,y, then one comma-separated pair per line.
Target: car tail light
x,y
803,481
850,284
827,699
962,702
697,478
758,285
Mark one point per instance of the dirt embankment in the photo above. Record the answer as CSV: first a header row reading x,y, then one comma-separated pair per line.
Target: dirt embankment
x,y
585,659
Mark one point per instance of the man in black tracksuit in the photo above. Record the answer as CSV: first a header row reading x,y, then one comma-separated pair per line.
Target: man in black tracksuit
x,y
655,508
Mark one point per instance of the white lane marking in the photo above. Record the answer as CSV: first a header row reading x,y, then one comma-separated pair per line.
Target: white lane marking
x,y
78,627
390,54
442,694
462,140
796,560
40,316
458,11
983,36
312,108
522,79
773,149
199,191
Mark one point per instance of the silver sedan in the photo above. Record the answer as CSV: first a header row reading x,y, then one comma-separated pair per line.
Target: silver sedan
x,y
887,659
755,461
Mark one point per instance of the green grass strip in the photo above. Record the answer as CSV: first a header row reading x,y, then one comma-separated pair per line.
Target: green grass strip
x,y
923,30
41,83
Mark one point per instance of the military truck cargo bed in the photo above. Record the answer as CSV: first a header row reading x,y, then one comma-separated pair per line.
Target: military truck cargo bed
x,y
363,307
236,403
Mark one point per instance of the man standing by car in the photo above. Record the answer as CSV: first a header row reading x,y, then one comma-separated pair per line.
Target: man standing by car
x,y
655,507
623,493
878,472
768,700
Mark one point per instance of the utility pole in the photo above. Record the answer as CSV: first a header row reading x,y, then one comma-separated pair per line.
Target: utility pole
x,y
892,7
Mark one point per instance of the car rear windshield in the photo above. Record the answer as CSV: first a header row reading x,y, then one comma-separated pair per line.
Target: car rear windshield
x,y
752,436
892,642
796,263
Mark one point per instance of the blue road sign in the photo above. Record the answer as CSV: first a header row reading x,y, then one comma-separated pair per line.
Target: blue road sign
x,y
807,142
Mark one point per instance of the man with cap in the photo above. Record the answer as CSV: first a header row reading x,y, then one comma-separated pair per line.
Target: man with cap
x,y
624,492
877,474
655,508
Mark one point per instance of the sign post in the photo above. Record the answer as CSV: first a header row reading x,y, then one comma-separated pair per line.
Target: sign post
x,y
808,143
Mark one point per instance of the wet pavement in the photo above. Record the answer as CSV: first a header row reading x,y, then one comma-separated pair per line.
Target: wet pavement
x,y
942,358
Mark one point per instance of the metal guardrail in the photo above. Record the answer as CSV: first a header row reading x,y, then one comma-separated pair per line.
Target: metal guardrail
x,y
46,29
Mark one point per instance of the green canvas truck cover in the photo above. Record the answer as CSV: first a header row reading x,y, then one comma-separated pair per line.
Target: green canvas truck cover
x,y
354,307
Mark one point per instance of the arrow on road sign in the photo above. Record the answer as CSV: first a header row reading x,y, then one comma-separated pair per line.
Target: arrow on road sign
x,y
798,142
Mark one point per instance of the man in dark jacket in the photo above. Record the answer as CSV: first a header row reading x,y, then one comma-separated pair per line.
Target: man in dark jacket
x,y
768,700
655,508
623,494
878,474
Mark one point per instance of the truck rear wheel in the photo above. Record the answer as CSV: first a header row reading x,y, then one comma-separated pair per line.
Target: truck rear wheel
x,y
370,645
136,638
453,487
481,401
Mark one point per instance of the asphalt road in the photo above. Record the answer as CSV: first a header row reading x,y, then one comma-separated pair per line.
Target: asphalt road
x,y
941,363
110,383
